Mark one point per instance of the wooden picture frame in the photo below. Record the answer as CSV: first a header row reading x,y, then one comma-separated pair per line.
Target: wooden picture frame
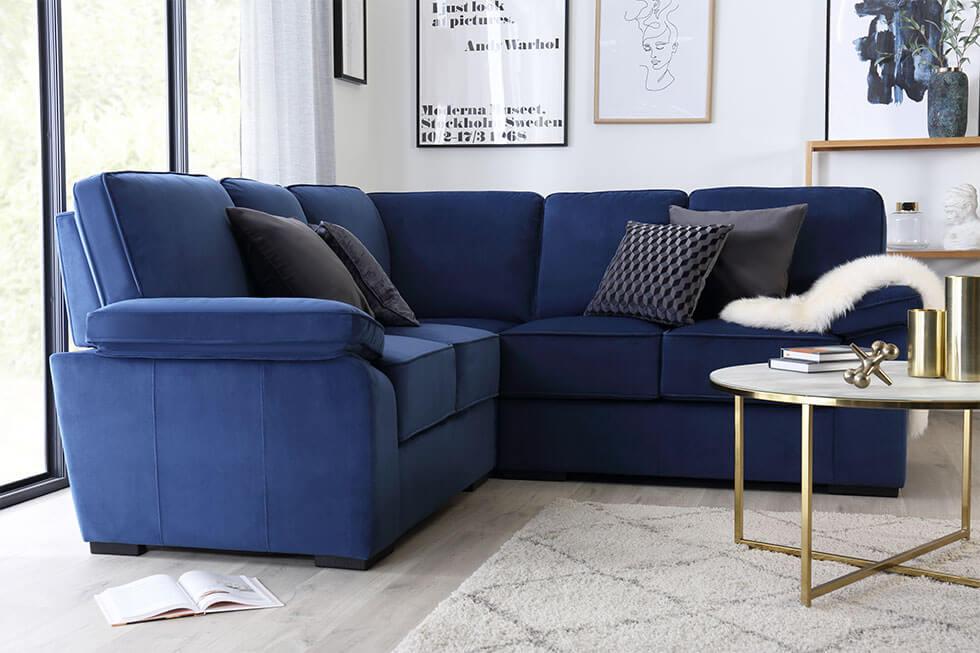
x,y
349,27
632,44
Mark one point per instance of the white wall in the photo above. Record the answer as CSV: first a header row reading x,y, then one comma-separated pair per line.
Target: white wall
x,y
768,100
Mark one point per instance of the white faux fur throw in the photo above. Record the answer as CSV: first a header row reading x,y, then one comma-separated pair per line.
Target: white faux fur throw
x,y
834,295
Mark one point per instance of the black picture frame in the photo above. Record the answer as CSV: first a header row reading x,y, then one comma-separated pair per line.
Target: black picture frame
x,y
826,73
418,85
828,26
340,66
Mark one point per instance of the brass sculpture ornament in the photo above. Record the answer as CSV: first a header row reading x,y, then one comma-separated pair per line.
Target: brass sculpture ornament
x,y
860,377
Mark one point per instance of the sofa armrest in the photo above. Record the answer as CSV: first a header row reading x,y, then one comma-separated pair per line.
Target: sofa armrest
x,y
878,310
242,328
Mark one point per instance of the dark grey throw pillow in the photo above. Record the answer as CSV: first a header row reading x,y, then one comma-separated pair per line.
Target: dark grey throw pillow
x,y
388,305
286,259
659,272
757,255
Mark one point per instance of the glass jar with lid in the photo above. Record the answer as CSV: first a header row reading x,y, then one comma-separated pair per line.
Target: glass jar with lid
x,y
905,227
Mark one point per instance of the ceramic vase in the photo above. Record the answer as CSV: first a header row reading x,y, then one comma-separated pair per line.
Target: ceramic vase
x,y
949,97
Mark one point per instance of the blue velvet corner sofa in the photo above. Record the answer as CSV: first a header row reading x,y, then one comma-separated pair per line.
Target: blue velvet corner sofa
x,y
196,415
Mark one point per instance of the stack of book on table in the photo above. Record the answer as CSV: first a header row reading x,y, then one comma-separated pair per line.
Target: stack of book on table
x,y
829,358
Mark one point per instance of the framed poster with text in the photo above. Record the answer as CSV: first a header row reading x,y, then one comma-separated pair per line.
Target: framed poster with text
x,y
492,73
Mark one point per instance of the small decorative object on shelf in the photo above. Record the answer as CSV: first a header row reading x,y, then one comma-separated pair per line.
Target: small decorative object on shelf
x,y
927,343
962,220
963,328
944,42
949,102
860,377
905,227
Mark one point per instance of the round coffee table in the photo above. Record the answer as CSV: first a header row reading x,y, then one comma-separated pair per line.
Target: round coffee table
x,y
829,389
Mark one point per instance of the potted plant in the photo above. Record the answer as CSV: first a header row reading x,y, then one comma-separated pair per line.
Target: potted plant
x,y
958,30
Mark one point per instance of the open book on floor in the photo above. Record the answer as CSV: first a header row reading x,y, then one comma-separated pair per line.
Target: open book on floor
x,y
194,593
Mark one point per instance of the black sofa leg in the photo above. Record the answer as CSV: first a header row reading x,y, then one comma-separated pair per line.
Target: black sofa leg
x,y
476,484
110,548
355,564
862,491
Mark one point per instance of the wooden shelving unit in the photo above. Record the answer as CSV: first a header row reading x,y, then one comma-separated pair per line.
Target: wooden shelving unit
x,y
885,144
937,253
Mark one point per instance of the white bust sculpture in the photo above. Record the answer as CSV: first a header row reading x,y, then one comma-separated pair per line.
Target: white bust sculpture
x,y
962,221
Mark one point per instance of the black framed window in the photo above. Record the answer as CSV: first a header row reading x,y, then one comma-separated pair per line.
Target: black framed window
x,y
214,87
123,79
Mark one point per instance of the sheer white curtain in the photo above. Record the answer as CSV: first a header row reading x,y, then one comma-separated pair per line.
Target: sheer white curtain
x,y
287,91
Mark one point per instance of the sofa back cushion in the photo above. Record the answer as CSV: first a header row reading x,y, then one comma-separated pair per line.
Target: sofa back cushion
x,y
351,209
841,224
158,235
80,292
580,235
464,254
259,196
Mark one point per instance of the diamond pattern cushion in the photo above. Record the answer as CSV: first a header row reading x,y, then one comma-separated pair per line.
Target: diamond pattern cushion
x,y
659,272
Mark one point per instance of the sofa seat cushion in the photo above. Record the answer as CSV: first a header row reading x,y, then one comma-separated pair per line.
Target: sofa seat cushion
x,y
582,357
423,374
692,352
484,324
477,355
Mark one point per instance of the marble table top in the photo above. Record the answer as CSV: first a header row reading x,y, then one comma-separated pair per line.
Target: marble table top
x,y
830,389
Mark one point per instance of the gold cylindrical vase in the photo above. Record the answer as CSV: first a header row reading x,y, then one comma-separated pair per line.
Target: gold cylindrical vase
x,y
963,328
927,343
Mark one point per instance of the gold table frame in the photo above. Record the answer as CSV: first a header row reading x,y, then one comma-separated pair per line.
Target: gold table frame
x,y
806,553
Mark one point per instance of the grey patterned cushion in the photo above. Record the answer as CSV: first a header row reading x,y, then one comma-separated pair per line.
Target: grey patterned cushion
x,y
389,307
659,272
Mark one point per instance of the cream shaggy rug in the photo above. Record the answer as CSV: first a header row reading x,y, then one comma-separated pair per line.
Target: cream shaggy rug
x,y
595,577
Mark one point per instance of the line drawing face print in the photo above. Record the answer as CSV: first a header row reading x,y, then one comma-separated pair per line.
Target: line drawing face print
x,y
659,39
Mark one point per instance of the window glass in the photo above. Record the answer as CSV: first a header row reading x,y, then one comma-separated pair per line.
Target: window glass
x,y
22,368
115,71
213,89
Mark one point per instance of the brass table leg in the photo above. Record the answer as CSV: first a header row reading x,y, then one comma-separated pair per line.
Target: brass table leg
x,y
739,469
893,565
967,469
806,506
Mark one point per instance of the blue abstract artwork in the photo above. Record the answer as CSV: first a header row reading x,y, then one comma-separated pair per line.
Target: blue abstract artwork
x,y
881,55
897,67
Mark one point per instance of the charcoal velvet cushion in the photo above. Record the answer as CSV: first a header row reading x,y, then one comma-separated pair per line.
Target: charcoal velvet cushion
x,y
286,259
757,255
387,303
659,272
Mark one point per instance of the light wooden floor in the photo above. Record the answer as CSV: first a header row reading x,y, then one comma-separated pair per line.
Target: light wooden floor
x,y
47,577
